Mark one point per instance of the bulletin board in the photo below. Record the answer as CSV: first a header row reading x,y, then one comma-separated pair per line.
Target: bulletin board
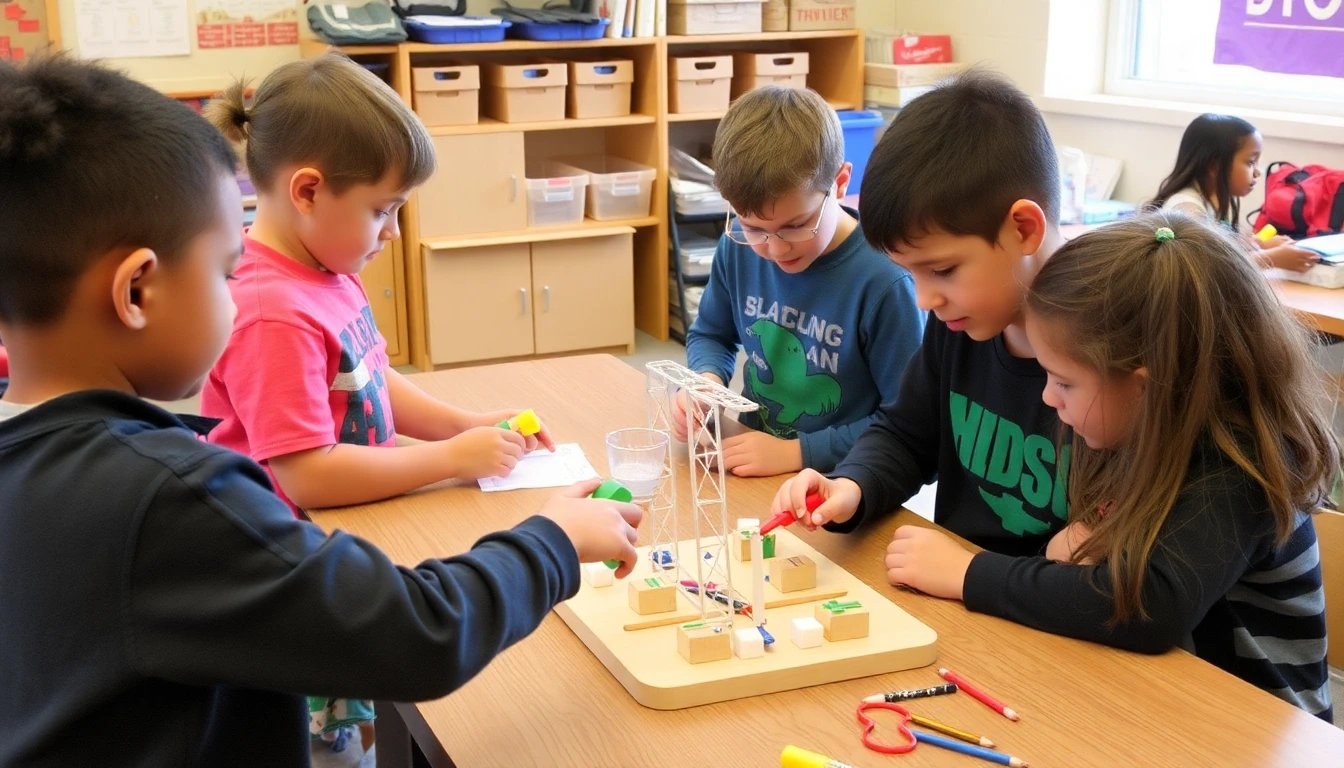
x,y
28,27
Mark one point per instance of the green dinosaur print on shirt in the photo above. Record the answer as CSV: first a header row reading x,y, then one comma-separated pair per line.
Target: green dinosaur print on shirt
x,y
795,390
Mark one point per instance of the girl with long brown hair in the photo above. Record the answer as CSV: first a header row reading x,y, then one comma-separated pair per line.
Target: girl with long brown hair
x,y
1198,452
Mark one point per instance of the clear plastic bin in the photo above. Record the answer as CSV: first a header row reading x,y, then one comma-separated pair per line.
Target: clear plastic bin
x,y
617,188
556,196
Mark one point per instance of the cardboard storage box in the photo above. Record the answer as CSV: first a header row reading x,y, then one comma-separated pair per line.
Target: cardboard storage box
x,y
713,17
523,93
821,14
447,95
700,83
887,47
753,70
908,75
600,88
775,16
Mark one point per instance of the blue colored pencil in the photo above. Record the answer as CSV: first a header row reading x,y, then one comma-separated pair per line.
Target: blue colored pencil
x,y
968,749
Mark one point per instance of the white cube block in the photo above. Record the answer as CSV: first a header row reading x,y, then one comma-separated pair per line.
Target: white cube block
x,y
747,523
748,643
598,575
805,632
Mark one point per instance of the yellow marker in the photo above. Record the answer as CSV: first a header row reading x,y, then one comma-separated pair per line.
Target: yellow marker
x,y
525,423
1266,234
793,757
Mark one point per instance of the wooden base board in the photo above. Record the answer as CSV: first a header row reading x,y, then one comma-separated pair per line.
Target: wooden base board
x,y
647,664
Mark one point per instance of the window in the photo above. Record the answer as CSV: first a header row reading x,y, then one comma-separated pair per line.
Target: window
x,y
1164,49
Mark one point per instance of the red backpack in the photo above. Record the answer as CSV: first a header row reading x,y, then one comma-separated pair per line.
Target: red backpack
x,y
1302,202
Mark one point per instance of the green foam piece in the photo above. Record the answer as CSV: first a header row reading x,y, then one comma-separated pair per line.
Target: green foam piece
x,y
610,489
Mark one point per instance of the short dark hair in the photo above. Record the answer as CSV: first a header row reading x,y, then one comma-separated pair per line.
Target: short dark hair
x,y
92,161
331,112
955,160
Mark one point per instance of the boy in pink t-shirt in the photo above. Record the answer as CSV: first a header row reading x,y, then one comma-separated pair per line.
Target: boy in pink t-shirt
x,y
304,387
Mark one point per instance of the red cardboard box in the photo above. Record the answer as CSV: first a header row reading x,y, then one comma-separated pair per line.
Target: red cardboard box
x,y
909,49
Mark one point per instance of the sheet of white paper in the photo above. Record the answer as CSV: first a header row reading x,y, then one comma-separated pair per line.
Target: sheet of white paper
x,y
922,503
543,469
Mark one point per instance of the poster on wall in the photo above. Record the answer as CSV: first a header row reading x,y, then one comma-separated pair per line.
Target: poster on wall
x,y
246,23
116,29
1291,37
23,29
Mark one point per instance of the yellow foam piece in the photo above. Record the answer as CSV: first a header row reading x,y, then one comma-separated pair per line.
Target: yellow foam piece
x,y
527,423
1265,234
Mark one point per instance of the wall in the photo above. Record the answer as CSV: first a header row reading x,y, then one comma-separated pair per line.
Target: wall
x,y
1012,36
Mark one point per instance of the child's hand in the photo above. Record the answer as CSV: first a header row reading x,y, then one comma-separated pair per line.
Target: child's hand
x,y
1275,242
927,560
599,529
1292,258
680,408
1063,544
530,442
484,452
757,454
842,499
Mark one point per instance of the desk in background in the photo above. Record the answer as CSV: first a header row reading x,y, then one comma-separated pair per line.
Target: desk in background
x,y
549,702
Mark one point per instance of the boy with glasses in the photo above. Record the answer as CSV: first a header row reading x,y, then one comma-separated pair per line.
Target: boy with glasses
x,y
827,322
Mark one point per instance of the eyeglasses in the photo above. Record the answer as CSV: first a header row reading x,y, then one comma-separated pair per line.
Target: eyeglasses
x,y
787,235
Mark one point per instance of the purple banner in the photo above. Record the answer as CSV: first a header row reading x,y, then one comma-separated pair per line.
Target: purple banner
x,y
1294,37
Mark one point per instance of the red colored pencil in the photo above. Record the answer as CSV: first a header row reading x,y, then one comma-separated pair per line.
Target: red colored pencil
x,y
986,699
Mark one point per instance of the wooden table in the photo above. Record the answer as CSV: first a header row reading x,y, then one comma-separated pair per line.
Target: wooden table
x,y
549,702
1321,308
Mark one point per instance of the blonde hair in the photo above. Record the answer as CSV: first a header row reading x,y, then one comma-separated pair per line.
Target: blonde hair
x,y
328,112
1225,362
774,141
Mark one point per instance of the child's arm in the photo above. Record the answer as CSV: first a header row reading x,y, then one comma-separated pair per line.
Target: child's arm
x,y
422,416
341,475
1203,549
892,333
711,341
225,587
898,453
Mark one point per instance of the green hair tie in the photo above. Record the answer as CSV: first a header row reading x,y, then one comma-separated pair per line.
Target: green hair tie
x,y
1164,234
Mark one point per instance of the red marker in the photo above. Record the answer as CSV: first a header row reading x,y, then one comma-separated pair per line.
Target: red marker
x,y
986,699
787,517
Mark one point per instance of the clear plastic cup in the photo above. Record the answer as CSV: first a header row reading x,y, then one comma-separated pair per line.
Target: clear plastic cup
x,y
636,457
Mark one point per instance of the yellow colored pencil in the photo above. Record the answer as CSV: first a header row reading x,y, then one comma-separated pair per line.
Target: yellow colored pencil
x,y
955,733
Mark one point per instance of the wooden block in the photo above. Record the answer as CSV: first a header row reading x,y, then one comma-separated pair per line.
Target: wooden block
x,y
842,620
698,643
741,546
652,595
790,574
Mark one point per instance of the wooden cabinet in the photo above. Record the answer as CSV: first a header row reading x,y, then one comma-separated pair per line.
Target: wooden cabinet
x,y
479,186
584,292
480,303
520,299
380,283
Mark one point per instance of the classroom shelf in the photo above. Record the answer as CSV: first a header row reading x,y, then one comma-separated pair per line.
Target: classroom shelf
x,y
695,117
759,37
487,125
587,228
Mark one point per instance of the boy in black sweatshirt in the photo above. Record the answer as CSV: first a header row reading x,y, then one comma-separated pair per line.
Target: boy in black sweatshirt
x,y
153,584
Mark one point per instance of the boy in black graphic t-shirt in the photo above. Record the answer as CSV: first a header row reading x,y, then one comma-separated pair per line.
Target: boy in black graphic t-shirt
x,y
963,191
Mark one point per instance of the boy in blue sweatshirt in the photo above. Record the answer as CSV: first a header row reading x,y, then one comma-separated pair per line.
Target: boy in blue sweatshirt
x,y
828,322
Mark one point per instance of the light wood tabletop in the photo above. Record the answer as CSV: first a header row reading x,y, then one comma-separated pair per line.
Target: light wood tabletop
x,y
549,702
1322,308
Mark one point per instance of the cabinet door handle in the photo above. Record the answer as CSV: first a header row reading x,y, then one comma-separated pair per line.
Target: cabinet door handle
x,y
387,292
522,296
513,187
545,298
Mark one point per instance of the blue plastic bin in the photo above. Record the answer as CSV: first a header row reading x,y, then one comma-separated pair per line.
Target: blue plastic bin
x,y
422,32
569,30
860,130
